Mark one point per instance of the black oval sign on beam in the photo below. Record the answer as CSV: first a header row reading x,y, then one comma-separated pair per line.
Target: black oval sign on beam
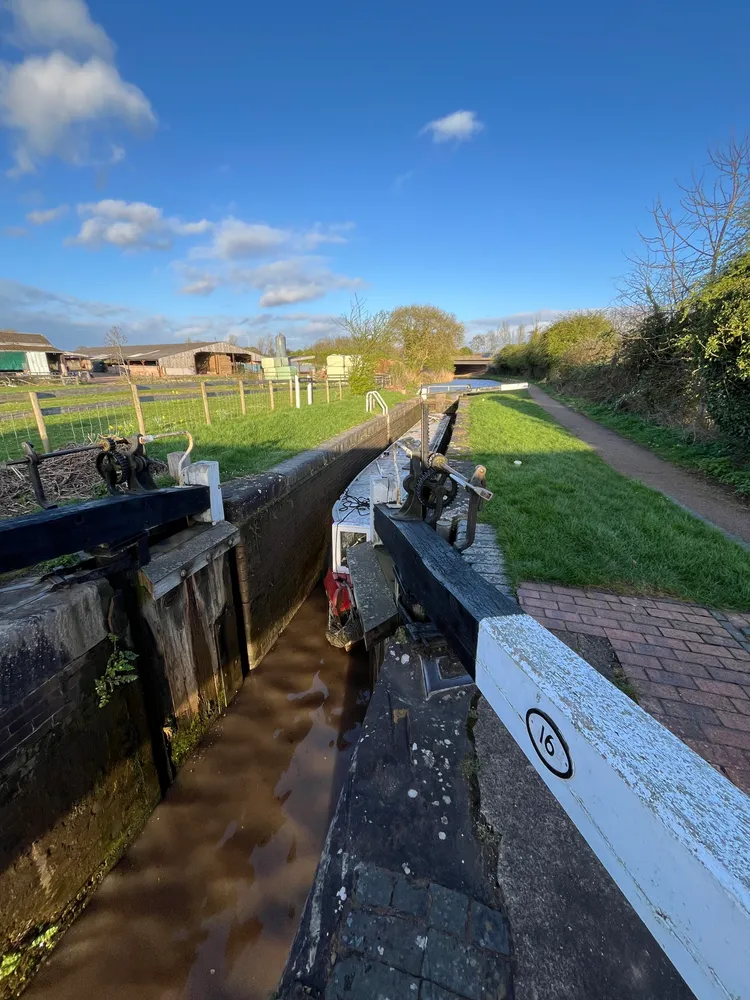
x,y
549,743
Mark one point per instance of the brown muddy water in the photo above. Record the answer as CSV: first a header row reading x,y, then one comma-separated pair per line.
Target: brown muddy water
x,y
205,904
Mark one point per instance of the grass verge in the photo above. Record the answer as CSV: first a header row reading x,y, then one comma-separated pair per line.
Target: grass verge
x,y
242,444
564,516
720,460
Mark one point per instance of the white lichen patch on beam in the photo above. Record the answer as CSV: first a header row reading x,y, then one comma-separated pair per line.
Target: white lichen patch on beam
x,y
672,832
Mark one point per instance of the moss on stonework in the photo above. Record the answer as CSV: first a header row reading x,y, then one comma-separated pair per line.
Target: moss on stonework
x,y
187,737
19,964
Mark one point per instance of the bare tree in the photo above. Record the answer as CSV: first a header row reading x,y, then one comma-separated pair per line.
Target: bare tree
x,y
266,346
694,241
116,339
370,339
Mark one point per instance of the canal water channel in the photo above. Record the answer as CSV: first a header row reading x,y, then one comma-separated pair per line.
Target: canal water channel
x,y
205,904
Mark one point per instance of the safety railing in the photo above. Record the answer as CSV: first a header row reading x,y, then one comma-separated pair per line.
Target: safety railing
x,y
374,398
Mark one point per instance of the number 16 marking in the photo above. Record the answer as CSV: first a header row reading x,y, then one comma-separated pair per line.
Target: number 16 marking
x,y
549,743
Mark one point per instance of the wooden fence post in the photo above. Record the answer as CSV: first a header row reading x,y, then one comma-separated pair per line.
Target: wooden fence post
x,y
296,391
328,391
205,403
341,391
291,391
241,385
270,394
138,408
39,420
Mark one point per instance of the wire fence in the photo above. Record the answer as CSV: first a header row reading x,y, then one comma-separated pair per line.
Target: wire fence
x,y
78,415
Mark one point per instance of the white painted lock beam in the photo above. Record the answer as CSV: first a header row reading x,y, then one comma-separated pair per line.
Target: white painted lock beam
x,y
206,474
672,832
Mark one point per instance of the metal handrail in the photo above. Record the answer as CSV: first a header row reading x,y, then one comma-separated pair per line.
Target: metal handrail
x,y
373,397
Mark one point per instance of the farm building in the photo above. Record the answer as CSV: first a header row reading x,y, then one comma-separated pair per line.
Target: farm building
x,y
157,360
27,353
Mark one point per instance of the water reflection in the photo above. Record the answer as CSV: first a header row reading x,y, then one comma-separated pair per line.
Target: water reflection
x,y
205,904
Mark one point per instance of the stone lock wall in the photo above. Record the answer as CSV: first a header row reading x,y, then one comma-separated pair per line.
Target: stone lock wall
x,y
77,782
284,517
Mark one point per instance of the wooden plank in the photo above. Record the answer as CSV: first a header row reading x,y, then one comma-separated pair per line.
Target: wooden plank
x,y
373,596
34,538
672,832
182,555
454,595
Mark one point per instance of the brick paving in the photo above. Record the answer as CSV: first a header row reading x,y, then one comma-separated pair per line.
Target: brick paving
x,y
690,666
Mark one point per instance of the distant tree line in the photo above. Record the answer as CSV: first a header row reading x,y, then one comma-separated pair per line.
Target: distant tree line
x,y
414,344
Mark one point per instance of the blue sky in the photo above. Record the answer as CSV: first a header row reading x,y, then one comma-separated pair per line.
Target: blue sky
x,y
192,168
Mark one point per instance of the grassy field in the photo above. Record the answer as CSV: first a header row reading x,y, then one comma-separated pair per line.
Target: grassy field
x,y
564,516
719,460
256,442
241,444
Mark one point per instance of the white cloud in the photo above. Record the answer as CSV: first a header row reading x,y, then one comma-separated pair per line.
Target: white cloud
x,y
15,232
460,126
131,225
320,234
235,239
202,285
64,100
281,282
41,217
191,228
70,322
400,182
58,24
299,279
52,104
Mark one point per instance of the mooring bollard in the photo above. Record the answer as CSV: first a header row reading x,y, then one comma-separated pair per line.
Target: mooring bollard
x,y
296,391
309,393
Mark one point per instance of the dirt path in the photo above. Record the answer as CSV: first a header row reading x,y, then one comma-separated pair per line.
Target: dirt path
x,y
701,498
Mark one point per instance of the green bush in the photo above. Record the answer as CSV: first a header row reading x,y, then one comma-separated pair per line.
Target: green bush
x,y
511,360
716,326
580,337
362,376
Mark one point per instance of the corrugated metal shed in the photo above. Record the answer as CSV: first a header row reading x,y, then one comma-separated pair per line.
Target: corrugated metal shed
x,y
12,340
168,355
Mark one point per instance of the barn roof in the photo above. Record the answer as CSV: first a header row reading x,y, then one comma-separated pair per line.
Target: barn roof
x,y
12,340
153,352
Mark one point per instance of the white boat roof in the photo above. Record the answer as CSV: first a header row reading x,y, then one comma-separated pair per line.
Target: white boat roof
x,y
353,506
